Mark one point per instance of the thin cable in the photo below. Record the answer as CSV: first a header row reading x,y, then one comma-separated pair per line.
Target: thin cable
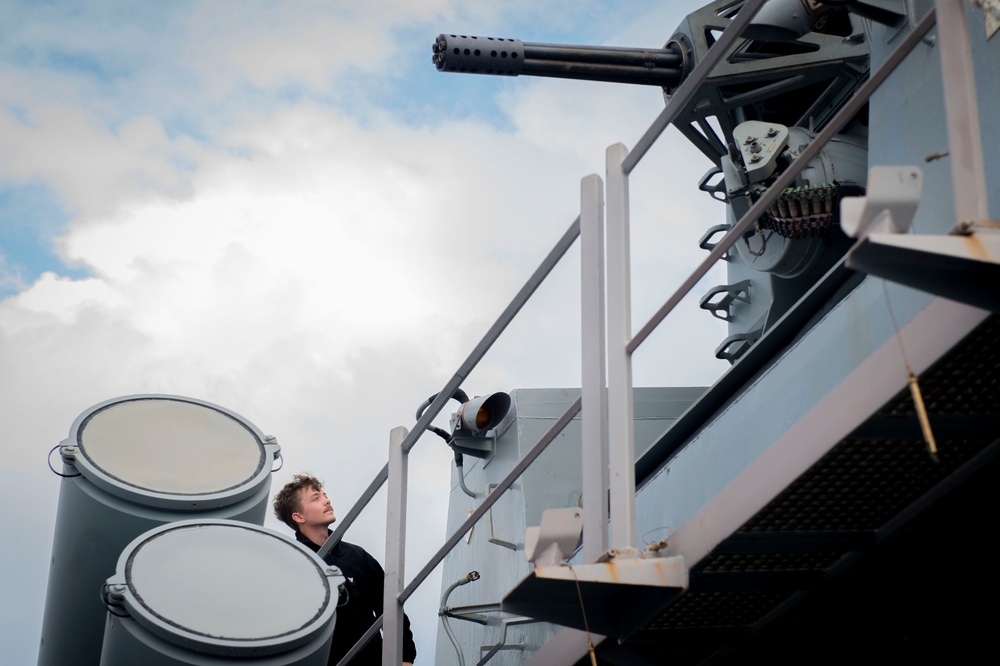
x,y
911,379
583,611
48,459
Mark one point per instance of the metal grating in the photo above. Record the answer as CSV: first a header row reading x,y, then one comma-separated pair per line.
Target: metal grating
x,y
717,610
739,563
852,534
860,485
964,382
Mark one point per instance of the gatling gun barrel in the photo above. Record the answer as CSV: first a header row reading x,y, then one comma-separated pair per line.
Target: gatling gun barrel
x,y
512,57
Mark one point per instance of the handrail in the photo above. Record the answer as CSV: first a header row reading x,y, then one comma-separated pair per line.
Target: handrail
x,y
470,522
624,162
522,296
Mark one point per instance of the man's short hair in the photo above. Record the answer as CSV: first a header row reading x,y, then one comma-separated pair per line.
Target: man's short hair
x,y
287,501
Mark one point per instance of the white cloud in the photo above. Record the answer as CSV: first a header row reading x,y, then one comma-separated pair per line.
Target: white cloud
x,y
317,271
88,165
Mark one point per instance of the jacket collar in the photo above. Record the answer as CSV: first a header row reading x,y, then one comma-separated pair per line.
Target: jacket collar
x,y
301,538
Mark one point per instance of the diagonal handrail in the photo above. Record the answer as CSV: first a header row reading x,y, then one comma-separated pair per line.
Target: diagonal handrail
x,y
522,296
682,96
501,488
470,522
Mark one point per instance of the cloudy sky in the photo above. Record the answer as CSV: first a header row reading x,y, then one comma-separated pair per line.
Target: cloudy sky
x,y
282,208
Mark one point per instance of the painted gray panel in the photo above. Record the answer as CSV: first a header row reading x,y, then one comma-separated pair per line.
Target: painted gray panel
x,y
554,481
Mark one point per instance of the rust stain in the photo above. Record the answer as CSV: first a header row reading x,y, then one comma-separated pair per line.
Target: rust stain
x,y
975,247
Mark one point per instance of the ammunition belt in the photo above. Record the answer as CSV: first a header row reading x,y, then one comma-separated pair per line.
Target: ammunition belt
x,y
805,212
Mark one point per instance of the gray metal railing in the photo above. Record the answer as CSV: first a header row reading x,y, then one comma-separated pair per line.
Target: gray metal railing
x,y
620,344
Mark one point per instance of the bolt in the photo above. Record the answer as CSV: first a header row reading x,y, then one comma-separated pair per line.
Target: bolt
x,y
749,140
771,131
69,449
755,157
270,439
118,589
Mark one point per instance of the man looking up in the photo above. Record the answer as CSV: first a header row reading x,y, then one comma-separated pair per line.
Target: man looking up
x,y
303,505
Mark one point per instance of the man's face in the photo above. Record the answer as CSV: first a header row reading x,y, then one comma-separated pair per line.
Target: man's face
x,y
314,509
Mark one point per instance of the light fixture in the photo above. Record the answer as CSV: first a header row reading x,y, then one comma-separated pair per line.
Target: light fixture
x,y
473,420
471,423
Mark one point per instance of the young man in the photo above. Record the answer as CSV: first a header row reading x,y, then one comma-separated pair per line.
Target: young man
x,y
303,505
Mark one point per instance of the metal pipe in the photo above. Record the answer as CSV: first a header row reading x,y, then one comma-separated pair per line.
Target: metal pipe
x,y
461,479
464,580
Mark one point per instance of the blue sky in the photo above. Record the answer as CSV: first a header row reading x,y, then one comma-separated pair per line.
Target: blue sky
x,y
117,62
285,210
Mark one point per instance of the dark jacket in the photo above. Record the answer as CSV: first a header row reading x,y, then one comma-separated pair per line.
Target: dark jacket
x,y
365,585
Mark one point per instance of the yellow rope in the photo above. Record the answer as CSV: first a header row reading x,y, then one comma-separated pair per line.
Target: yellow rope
x,y
583,611
911,379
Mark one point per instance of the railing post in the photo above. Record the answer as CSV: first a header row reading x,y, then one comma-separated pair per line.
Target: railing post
x,y
961,112
395,550
621,445
593,418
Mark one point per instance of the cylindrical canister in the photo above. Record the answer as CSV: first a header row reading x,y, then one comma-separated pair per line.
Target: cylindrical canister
x,y
130,465
207,593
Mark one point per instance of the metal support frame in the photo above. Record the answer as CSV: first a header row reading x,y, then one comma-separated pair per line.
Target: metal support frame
x,y
594,439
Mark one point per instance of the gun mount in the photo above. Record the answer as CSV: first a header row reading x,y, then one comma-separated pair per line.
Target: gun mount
x,y
791,70
793,82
